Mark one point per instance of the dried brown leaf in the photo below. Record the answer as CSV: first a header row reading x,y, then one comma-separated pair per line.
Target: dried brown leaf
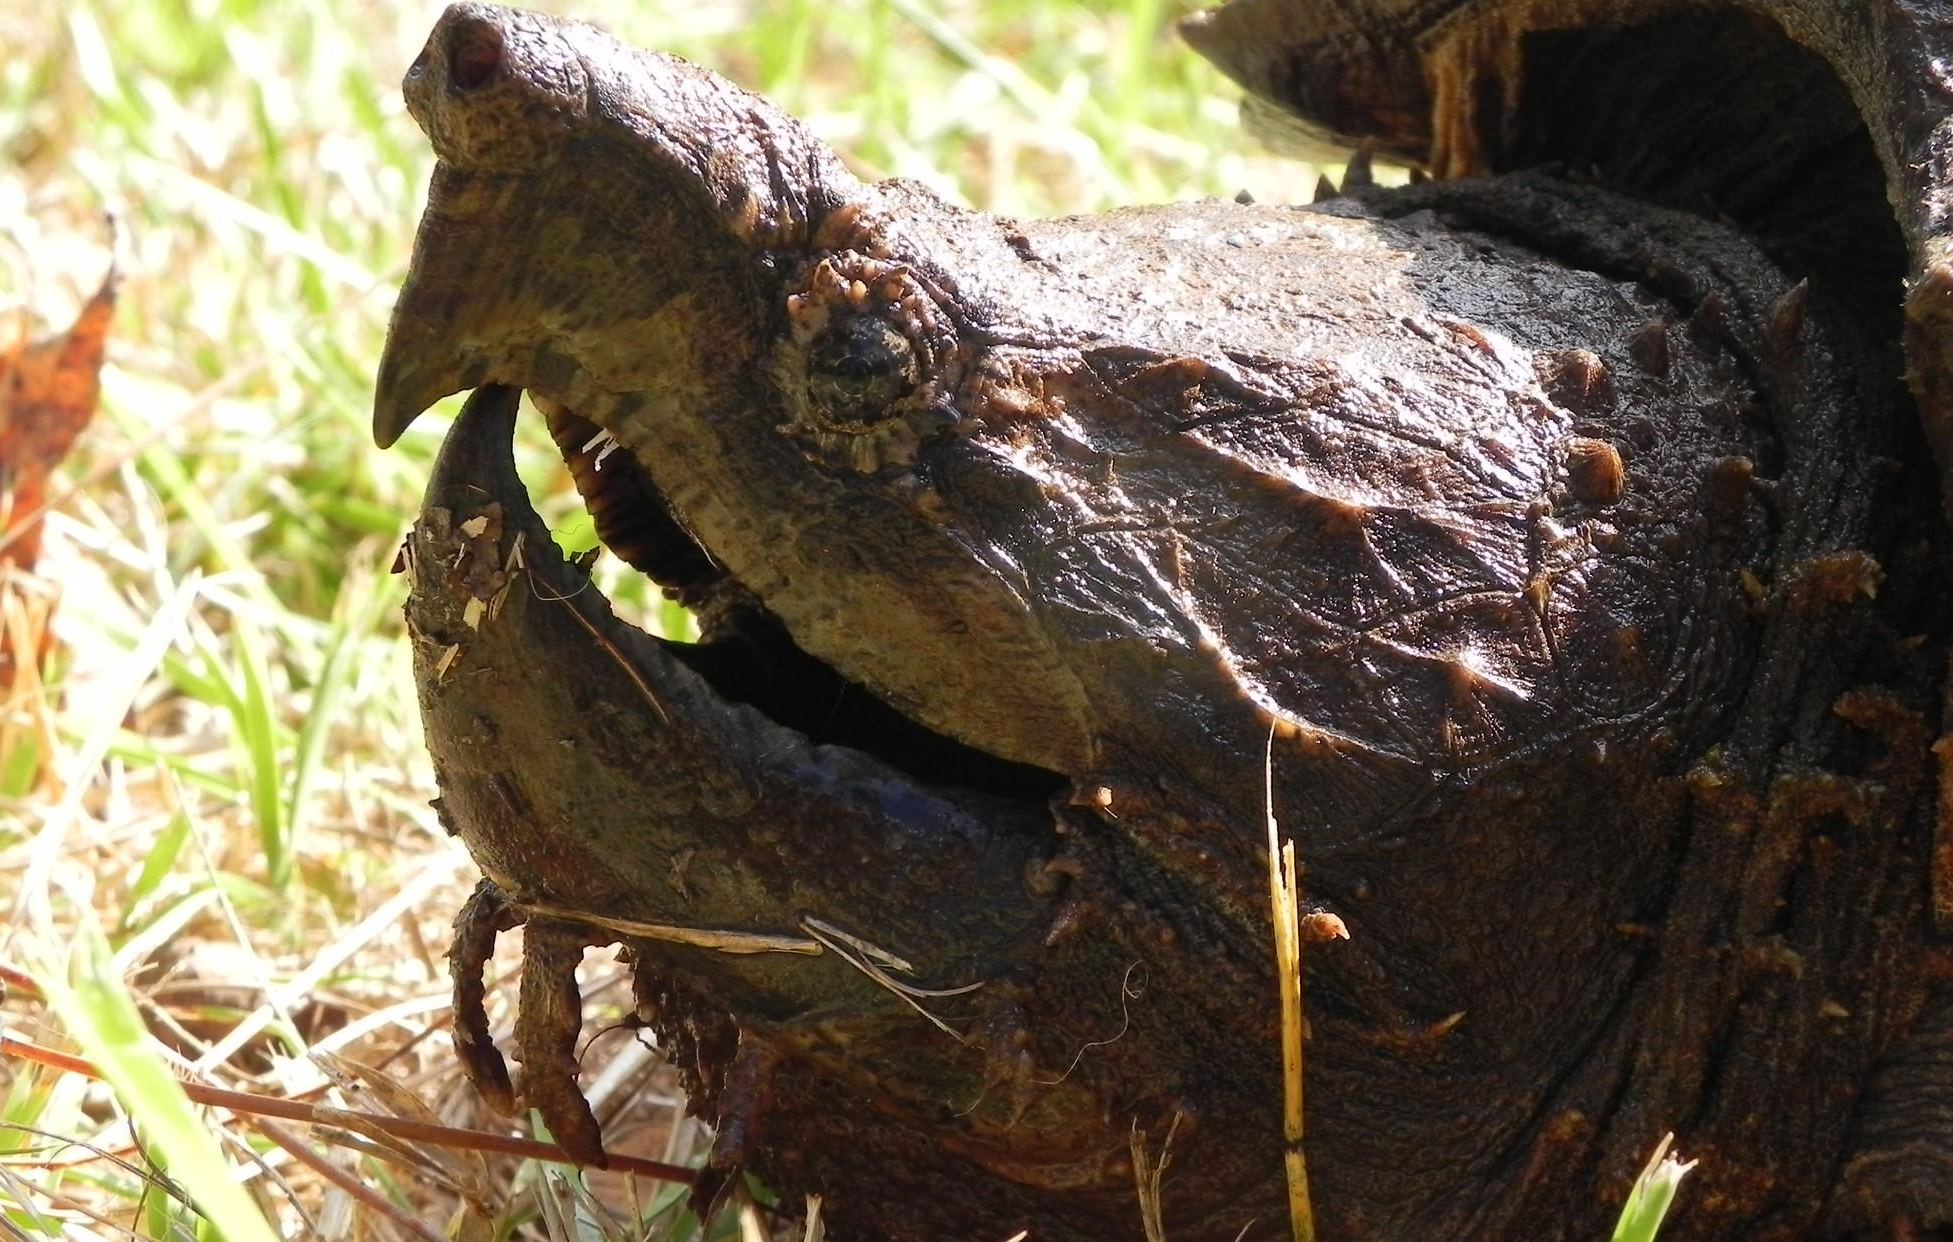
x,y
48,394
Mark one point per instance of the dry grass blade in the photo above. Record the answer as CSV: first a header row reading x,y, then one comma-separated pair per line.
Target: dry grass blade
x,y
717,939
752,1227
31,905
465,1172
27,720
395,1127
597,636
1148,1174
437,872
905,992
867,948
345,1181
1285,903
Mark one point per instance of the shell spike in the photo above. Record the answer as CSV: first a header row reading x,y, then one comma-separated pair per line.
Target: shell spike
x,y
1787,317
1710,322
1361,172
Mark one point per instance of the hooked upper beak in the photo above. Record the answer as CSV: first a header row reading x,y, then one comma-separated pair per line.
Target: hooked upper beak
x,y
402,393
501,94
437,341
428,353
415,372
457,313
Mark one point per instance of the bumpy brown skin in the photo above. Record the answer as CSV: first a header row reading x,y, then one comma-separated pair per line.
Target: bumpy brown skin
x,y
1581,561
1698,99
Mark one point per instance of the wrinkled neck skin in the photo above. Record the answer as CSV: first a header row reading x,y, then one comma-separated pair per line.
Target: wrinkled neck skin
x,y
1178,485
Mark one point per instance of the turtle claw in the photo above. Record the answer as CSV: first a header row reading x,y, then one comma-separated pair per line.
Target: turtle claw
x,y
743,1104
546,1027
484,916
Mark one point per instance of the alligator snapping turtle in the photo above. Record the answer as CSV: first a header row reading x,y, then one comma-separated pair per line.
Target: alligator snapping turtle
x,y
1567,540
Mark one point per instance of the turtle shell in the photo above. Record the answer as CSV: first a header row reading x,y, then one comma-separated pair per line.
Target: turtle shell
x,y
1823,127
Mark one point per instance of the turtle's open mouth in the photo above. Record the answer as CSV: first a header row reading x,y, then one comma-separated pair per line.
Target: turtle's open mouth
x,y
712,805
745,654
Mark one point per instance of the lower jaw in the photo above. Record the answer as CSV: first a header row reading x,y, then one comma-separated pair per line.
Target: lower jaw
x,y
613,794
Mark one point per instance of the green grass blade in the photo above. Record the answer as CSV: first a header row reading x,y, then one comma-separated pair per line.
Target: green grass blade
x,y
1135,63
26,1100
1654,1192
136,749
20,765
156,864
102,1017
257,727
362,604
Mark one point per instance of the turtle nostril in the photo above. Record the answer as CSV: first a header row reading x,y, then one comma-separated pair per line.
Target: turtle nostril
x,y
419,66
474,59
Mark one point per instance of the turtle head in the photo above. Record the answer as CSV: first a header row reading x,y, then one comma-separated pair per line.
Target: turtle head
x,y
669,262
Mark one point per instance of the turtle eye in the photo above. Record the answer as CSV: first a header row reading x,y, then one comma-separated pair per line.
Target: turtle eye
x,y
858,368
868,362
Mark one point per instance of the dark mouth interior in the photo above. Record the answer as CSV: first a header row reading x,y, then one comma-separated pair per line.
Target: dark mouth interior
x,y
744,651
1721,113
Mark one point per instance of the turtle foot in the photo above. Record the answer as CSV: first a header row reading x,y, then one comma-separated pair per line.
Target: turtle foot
x,y
549,1018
